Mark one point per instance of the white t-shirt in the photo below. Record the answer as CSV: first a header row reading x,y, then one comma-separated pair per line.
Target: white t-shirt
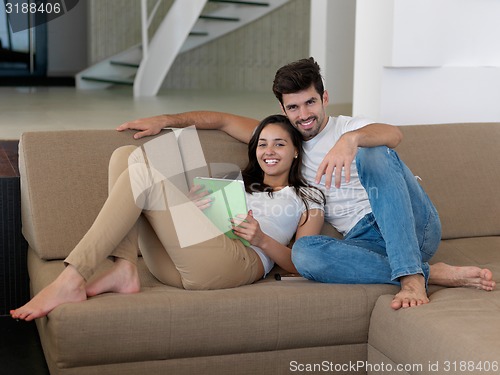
x,y
348,204
278,217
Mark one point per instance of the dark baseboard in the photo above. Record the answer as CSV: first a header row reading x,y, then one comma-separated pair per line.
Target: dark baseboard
x,y
37,81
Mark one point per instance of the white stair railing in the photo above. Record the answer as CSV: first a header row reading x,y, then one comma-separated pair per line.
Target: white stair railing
x,y
160,53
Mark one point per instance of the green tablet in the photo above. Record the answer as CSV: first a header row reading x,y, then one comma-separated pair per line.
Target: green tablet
x,y
228,200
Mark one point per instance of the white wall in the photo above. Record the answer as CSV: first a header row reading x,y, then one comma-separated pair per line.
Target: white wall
x,y
427,61
372,51
332,45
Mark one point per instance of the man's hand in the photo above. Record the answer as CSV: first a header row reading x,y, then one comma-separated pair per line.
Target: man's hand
x,y
344,151
147,126
340,157
238,127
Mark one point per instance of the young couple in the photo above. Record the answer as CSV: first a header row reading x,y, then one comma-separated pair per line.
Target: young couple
x,y
143,205
389,234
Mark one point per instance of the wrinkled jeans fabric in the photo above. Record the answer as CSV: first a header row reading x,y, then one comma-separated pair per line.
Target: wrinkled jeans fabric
x,y
396,239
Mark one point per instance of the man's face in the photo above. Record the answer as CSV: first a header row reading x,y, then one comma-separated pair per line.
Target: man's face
x,y
306,111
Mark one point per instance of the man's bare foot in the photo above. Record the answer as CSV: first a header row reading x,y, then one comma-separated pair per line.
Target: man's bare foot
x,y
123,277
469,276
412,292
68,287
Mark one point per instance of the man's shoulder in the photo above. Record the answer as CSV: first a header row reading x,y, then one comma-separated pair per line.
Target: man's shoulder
x,y
348,123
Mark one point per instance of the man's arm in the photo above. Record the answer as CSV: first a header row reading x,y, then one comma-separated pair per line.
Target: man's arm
x,y
374,135
238,127
344,151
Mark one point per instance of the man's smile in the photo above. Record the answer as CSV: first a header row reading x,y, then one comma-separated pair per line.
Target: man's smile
x,y
307,124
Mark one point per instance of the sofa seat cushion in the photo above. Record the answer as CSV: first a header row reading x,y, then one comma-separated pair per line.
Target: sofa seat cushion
x,y
476,251
458,325
163,322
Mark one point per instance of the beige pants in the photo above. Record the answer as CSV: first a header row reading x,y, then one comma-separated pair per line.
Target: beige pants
x,y
156,220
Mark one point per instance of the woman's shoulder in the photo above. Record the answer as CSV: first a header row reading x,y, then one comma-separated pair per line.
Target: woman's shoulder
x,y
309,193
313,192
313,197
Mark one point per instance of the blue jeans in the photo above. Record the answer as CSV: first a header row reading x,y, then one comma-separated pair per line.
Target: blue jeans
x,y
397,239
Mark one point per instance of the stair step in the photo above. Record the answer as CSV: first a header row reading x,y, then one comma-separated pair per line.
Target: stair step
x,y
198,33
251,3
124,63
115,81
215,18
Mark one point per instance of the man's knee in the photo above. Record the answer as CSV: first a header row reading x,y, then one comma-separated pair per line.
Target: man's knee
x,y
373,157
376,164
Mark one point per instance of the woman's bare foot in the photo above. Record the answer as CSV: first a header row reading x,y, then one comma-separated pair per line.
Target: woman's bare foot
x,y
123,277
468,276
412,292
68,287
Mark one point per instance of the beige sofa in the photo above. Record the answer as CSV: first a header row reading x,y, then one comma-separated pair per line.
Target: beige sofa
x,y
271,327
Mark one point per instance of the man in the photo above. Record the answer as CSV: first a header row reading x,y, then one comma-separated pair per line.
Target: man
x,y
390,227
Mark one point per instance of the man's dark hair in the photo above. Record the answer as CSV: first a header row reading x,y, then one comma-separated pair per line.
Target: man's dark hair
x,y
298,76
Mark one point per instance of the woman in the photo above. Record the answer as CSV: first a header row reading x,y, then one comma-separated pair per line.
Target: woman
x,y
280,202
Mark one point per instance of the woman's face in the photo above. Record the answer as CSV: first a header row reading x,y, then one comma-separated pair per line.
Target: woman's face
x,y
275,153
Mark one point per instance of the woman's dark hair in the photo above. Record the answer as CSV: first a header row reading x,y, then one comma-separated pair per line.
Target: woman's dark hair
x,y
253,175
298,76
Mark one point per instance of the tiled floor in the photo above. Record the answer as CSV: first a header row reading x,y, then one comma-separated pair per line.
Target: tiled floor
x,y
54,108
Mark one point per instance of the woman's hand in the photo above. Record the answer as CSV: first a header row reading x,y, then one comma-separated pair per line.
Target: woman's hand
x,y
198,195
248,228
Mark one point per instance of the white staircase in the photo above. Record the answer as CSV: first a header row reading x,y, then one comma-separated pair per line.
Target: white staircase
x,y
186,26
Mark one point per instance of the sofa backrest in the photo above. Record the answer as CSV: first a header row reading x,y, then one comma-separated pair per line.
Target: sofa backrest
x,y
64,178
64,181
459,165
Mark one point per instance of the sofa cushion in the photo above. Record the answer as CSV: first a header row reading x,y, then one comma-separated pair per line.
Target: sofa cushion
x,y
459,165
459,325
51,162
483,252
163,322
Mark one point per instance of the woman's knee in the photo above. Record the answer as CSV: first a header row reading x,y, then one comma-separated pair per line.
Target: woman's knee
x,y
120,157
